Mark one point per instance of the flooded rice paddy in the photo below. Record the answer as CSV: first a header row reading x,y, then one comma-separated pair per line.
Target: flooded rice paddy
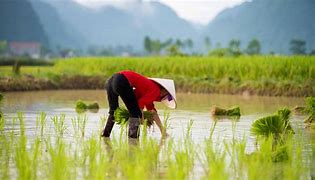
x,y
193,108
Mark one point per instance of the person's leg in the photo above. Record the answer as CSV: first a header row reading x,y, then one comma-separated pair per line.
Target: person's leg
x,y
126,93
112,98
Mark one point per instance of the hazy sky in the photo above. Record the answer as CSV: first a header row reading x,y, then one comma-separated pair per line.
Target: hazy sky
x,y
198,11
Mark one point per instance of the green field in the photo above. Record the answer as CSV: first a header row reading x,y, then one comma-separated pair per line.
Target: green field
x,y
263,75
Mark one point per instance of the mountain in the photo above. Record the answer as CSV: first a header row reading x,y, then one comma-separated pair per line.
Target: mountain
x,y
19,22
60,34
113,26
273,23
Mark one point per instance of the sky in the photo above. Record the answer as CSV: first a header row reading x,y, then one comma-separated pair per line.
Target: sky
x,y
195,11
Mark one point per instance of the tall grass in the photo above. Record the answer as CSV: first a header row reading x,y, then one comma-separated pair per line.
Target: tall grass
x,y
91,157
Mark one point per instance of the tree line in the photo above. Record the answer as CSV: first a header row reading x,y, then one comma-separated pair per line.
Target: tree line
x,y
180,47
171,47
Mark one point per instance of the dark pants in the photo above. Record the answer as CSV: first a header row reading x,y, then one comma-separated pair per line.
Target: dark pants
x,y
118,85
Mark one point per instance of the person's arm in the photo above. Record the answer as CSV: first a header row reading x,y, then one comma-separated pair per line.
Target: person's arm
x,y
158,122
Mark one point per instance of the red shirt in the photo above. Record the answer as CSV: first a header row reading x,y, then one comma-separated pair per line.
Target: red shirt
x,y
146,90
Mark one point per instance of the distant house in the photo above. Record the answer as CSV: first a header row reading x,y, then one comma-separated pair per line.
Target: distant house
x,y
19,48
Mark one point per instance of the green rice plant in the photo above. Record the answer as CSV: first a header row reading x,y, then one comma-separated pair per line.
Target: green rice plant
x,y
59,166
268,125
41,123
78,125
273,125
5,150
212,128
263,75
214,163
310,110
2,125
80,106
183,157
22,156
233,111
93,106
59,124
122,116
91,157
1,98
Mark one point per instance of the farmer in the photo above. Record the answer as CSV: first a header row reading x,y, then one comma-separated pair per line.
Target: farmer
x,y
137,92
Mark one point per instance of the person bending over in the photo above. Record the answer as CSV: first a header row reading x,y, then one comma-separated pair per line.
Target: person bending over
x,y
137,92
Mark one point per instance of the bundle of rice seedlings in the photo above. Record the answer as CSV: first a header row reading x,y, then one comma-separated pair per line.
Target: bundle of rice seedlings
x,y
273,125
280,154
82,107
310,110
94,107
234,111
122,115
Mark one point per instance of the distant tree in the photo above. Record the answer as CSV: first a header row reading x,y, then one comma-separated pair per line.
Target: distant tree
x,y
234,47
219,52
253,47
3,47
173,50
156,46
92,50
297,46
189,43
179,43
44,50
207,43
312,52
148,44
106,52
166,43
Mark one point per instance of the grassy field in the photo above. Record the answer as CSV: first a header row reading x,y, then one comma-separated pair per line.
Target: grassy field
x,y
56,151
264,75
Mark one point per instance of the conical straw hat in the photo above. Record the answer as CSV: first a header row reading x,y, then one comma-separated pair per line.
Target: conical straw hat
x,y
167,84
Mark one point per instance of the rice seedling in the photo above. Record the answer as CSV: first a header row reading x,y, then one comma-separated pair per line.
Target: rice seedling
x,y
81,107
94,107
310,110
25,157
59,124
1,98
214,164
122,115
276,125
59,160
41,123
233,111
78,125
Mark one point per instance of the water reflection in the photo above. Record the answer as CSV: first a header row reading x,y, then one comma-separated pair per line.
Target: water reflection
x,y
48,100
